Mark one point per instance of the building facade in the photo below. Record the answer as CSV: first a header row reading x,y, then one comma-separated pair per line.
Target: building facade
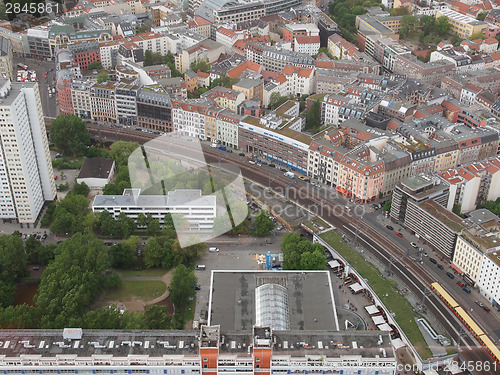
x,y
26,176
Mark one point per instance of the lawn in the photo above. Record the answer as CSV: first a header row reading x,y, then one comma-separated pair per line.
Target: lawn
x,y
385,289
145,290
153,272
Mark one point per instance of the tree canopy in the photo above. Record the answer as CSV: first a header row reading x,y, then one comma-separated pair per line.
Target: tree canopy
x,y
95,65
263,224
276,99
102,77
182,286
201,64
313,117
121,151
69,134
300,254
72,280
69,214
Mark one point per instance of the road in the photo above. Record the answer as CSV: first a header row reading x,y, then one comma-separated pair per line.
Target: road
x,y
368,231
50,105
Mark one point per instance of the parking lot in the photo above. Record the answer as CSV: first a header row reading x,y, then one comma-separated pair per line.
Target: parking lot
x,y
231,256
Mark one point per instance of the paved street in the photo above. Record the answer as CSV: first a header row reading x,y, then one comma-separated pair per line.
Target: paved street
x,y
49,105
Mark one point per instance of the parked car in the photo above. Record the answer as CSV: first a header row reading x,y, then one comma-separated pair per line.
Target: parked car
x,y
241,154
413,244
213,249
440,266
432,260
389,227
302,178
213,145
399,234
466,290
280,227
252,162
460,283
480,304
272,165
450,275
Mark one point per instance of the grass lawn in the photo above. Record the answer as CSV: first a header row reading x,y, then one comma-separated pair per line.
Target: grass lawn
x,y
140,289
385,289
152,272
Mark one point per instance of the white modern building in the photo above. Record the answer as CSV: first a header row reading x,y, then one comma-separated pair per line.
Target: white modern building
x,y
199,210
307,44
488,281
26,176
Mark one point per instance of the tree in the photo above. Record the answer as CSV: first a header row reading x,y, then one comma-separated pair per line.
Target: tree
x,y
169,60
159,252
102,77
276,99
153,227
427,24
299,253
121,151
72,280
409,24
442,25
125,224
143,28
456,40
157,317
387,205
69,134
202,64
81,189
313,117
108,225
481,16
182,286
113,280
358,10
148,58
315,260
263,224
95,65
13,261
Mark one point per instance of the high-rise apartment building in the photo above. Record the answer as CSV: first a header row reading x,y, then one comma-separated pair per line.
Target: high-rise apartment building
x,y
26,176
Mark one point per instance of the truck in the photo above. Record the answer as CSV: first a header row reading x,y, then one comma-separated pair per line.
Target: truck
x,y
289,174
223,148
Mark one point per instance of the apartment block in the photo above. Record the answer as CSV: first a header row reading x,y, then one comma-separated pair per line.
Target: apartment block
x,y
463,25
26,176
419,204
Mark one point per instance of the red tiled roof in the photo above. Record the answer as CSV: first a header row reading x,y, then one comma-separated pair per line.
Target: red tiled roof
x,y
307,39
201,74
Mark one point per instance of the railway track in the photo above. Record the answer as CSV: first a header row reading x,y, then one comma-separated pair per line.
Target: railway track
x,y
416,278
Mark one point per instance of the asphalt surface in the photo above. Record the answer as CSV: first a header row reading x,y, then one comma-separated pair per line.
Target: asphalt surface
x,y
50,105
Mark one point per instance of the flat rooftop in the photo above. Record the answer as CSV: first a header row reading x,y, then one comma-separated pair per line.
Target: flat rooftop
x,y
310,299
49,343
448,218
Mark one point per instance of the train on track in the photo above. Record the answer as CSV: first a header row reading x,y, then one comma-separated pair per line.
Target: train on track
x,y
465,318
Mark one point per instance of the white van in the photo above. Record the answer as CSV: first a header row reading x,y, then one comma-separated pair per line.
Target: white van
x,y
213,249
200,267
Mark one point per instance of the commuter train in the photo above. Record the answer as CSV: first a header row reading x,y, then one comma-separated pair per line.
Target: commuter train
x,y
467,321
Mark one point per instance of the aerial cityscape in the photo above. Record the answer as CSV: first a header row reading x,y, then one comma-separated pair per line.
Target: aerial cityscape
x,y
250,187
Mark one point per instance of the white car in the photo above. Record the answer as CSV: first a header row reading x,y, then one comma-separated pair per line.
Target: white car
x,y
413,244
213,145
